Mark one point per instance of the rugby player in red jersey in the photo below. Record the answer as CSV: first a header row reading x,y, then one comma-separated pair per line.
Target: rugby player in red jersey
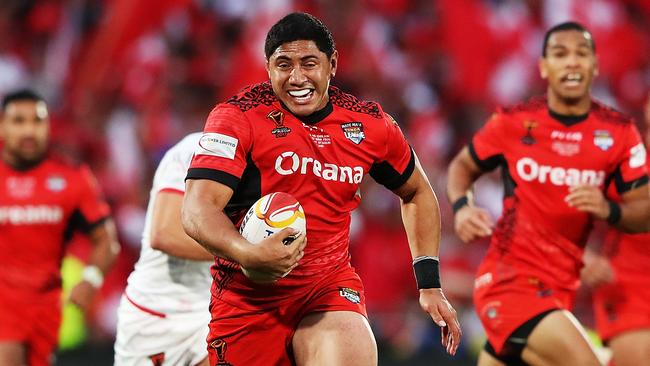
x,y
619,276
43,200
297,134
558,153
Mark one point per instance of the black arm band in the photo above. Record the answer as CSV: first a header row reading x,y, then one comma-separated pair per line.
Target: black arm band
x,y
614,213
427,272
460,203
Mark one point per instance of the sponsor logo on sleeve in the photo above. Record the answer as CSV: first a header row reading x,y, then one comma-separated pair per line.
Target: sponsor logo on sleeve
x,y
603,139
217,144
638,156
350,294
353,131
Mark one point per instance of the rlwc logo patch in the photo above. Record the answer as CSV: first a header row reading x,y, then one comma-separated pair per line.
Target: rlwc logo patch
x,y
353,131
220,347
280,129
56,183
350,294
528,139
217,144
603,139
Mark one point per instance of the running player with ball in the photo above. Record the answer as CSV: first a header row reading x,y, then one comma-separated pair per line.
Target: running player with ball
x,y
298,135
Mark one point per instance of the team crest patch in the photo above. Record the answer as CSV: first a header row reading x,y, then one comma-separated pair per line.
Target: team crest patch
x,y
280,129
354,131
603,139
220,346
350,294
56,183
157,359
528,139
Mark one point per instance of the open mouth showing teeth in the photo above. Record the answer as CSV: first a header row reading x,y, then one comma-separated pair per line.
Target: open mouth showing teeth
x,y
574,77
302,93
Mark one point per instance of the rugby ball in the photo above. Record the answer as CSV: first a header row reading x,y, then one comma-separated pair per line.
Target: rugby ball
x,y
267,216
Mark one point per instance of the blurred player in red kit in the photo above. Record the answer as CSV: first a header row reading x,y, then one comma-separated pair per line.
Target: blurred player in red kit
x,y
297,134
558,154
43,200
622,290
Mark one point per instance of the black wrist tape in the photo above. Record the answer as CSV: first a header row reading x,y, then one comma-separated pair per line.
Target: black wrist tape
x,y
460,203
427,272
614,213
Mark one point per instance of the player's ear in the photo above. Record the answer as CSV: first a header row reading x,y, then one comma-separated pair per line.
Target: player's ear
x,y
334,62
543,71
267,66
596,66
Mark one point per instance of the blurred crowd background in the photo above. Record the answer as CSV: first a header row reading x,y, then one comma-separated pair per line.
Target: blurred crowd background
x,y
127,79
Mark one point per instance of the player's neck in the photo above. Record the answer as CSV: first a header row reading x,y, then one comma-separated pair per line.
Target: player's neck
x,y
569,107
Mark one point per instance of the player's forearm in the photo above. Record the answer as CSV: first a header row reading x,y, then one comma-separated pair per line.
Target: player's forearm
x,y
105,246
461,175
211,228
421,217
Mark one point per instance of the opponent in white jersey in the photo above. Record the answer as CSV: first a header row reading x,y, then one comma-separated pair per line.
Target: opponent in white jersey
x,y
163,316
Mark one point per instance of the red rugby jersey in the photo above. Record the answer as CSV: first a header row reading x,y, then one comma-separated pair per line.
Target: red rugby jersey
x,y
255,146
541,157
39,210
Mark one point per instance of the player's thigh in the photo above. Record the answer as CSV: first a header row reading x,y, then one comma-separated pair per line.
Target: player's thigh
x,y
12,353
559,340
334,338
630,348
486,359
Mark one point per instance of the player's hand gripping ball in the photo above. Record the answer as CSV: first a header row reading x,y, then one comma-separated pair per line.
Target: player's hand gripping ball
x,y
268,215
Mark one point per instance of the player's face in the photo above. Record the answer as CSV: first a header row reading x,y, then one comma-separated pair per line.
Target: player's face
x,y
300,74
569,66
25,130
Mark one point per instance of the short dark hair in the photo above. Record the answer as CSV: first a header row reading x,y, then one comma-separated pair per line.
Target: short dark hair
x,y
23,94
565,27
299,26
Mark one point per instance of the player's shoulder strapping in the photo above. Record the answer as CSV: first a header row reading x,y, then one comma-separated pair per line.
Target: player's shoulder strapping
x,y
533,104
252,96
608,114
352,103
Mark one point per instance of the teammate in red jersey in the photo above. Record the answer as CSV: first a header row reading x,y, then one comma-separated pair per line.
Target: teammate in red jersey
x,y
42,201
298,134
557,154
621,297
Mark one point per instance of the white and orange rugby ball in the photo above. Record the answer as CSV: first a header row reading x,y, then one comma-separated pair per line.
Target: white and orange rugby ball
x,y
267,216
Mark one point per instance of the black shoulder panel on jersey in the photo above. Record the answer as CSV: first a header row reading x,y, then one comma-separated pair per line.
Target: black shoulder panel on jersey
x,y
215,175
247,192
488,164
253,95
623,186
77,221
352,103
609,114
531,105
384,173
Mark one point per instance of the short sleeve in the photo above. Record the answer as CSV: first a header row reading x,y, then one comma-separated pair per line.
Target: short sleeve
x,y
631,171
397,163
221,151
486,147
92,208
172,170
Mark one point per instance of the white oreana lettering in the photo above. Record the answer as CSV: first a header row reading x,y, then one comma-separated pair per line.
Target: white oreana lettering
x,y
529,170
31,215
289,163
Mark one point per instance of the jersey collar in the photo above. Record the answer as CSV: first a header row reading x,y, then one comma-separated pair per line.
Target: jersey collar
x,y
315,117
567,120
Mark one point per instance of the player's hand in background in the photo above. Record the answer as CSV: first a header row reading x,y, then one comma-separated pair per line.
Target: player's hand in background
x,y
434,302
597,270
272,257
589,199
82,294
471,223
